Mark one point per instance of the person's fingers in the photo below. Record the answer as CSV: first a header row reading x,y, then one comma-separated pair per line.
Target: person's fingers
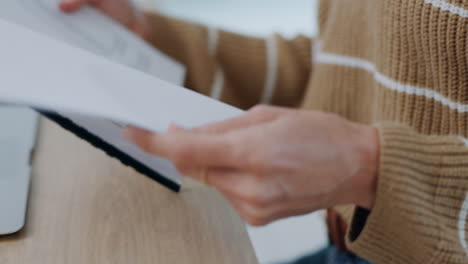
x,y
70,6
258,191
140,137
257,115
226,180
235,203
262,215
284,210
173,128
188,149
252,215
257,201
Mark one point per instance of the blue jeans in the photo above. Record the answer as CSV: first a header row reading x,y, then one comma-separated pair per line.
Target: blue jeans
x,y
331,255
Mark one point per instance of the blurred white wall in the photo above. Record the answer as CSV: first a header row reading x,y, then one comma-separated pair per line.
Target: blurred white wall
x,y
290,238
252,17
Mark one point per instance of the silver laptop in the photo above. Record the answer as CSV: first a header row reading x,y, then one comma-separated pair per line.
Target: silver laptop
x,y
17,139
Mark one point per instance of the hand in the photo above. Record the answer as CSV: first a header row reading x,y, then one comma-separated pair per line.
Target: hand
x,y
273,163
119,10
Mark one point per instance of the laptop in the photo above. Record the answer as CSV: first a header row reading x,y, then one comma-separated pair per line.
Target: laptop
x,y
17,141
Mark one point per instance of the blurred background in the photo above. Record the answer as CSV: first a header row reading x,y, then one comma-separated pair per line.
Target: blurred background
x,y
252,17
290,238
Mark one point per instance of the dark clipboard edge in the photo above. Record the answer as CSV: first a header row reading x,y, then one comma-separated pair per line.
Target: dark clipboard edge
x,y
109,149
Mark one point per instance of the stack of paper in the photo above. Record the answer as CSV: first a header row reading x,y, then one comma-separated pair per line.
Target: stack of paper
x,y
93,96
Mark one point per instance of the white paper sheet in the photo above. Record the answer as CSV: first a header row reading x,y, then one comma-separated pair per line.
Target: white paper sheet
x,y
94,32
44,73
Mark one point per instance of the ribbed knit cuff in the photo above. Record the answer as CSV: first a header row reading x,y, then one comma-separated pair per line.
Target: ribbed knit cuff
x,y
403,227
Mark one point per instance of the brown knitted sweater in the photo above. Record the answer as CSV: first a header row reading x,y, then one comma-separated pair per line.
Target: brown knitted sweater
x,y
400,65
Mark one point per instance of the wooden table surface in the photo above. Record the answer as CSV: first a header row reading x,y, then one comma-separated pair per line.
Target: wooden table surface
x,y
87,208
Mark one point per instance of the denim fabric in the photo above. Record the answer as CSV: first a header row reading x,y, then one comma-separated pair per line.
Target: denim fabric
x,y
330,255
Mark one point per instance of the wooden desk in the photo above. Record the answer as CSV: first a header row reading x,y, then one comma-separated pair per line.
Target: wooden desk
x,y
88,208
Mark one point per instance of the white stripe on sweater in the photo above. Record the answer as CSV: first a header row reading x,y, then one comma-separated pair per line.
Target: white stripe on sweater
x,y
329,58
465,140
213,36
444,6
462,224
463,215
272,70
218,85
218,81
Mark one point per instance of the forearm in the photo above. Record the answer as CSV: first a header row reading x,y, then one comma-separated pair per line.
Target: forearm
x,y
242,71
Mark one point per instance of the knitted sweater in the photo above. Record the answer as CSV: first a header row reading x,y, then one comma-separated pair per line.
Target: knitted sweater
x,y
399,65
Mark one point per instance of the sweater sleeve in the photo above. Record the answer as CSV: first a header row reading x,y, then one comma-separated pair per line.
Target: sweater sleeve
x,y
420,214
239,70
